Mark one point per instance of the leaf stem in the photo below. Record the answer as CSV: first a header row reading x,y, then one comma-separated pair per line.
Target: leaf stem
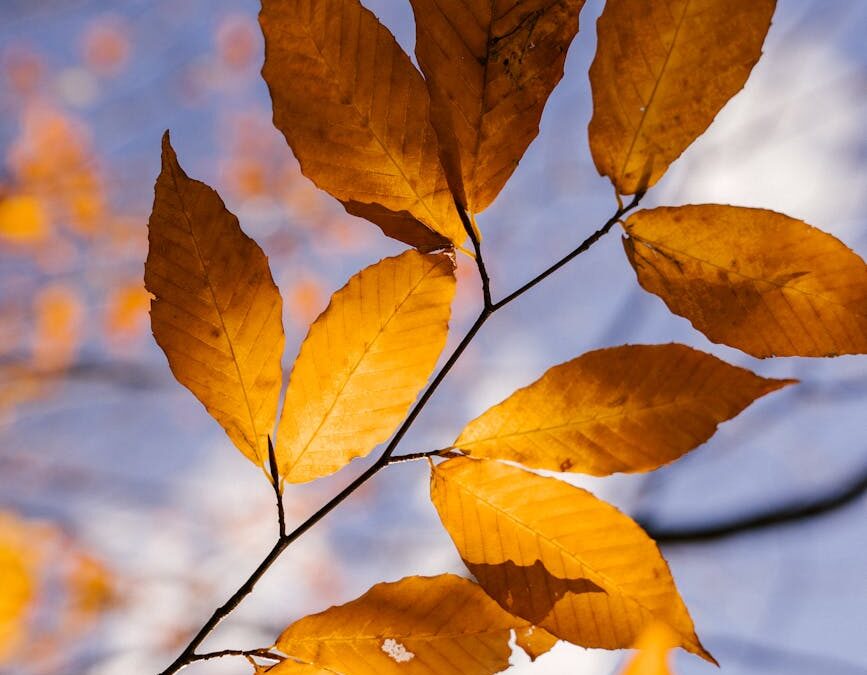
x,y
189,655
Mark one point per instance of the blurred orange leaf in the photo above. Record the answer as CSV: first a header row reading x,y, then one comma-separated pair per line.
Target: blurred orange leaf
x,y
23,219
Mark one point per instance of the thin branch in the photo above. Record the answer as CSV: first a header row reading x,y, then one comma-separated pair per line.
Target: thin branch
x,y
414,456
284,541
796,511
278,492
582,247
473,234
260,653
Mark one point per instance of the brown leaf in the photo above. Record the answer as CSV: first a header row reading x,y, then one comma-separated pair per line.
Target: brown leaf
x,y
753,279
443,624
363,363
662,72
490,66
628,408
496,513
355,112
217,312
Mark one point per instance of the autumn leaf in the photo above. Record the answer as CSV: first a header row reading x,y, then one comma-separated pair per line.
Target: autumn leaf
x,y
629,408
543,548
662,72
753,279
490,67
443,624
290,667
217,312
535,641
23,219
653,655
363,363
355,112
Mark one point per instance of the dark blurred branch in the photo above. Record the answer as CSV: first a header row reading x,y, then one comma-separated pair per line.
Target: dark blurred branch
x,y
794,512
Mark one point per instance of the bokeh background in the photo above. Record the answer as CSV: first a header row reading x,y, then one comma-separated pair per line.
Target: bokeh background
x,y
130,514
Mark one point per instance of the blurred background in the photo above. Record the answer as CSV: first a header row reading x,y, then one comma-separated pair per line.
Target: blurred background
x,y
126,516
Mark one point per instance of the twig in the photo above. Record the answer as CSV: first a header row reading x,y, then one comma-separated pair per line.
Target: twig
x,y
260,653
285,540
788,513
278,491
414,456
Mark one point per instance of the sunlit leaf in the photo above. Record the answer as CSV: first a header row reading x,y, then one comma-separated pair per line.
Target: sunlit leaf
x,y
363,363
557,556
290,667
654,649
355,112
628,408
217,312
535,641
753,279
490,67
59,310
443,624
662,72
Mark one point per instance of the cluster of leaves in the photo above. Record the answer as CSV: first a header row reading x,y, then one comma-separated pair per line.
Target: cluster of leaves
x,y
420,154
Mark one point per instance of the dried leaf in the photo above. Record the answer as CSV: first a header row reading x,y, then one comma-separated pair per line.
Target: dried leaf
x,y
443,624
217,312
543,546
535,641
662,72
629,408
490,66
355,112
363,363
753,279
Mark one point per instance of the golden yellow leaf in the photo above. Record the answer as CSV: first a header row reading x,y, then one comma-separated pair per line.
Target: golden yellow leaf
x,y
654,648
662,72
17,581
355,112
217,312
753,279
628,408
443,624
490,66
22,219
59,311
557,556
363,363
535,641
290,667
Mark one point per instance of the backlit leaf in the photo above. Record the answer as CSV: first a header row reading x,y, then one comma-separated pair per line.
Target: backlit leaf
x,y
557,556
753,279
217,312
363,363
535,641
628,408
490,66
662,72
443,624
18,581
355,112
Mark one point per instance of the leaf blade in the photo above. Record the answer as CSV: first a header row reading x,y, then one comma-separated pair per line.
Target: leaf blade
x,y
217,313
443,624
363,363
753,279
490,67
628,408
662,72
550,529
355,112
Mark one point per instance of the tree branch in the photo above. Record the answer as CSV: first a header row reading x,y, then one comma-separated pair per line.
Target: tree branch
x,y
188,655
795,511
